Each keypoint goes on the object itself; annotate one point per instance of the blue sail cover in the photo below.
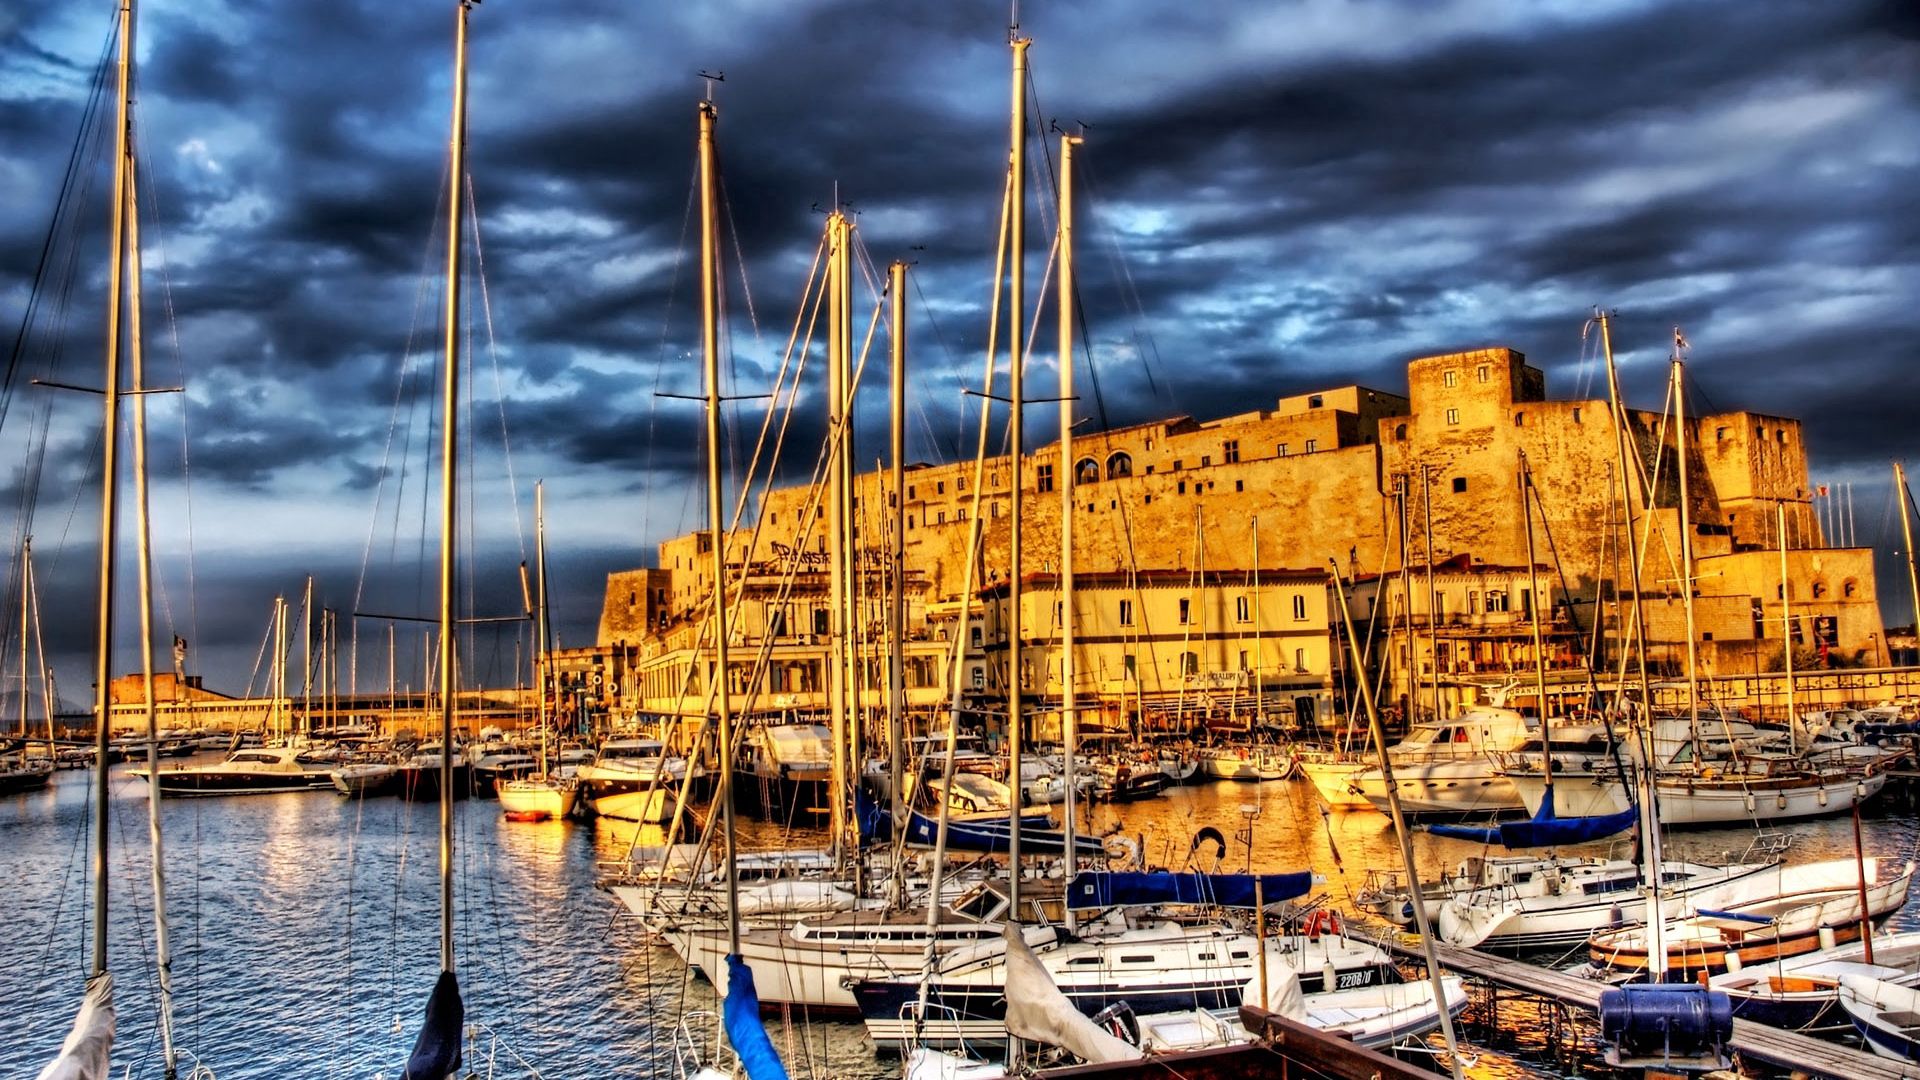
(1098, 889)
(984, 836)
(436, 1052)
(741, 1015)
(1543, 829)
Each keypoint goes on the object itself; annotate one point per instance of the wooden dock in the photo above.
(1754, 1042)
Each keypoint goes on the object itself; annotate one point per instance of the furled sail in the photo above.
(84, 1055)
(1543, 829)
(436, 1052)
(986, 836)
(1099, 888)
(1037, 1010)
(748, 1036)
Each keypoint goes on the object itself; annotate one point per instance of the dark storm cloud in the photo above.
(1273, 198)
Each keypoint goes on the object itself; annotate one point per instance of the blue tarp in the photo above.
(1543, 829)
(1098, 889)
(436, 1052)
(741, 1015)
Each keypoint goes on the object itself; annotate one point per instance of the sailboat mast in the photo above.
(109, 488)
(1016, 360)
(710, 352)
(840, 626)
(143, 536)
(540, 627)
(1901, 496)
(897, 617)
(1649, 820)
(449, 448)
(26, 584)
(1686, 544)
(1539, 644)
(1259, 695)
(1433, 593)
(1786, 614)
(306, 659)
(1069, 671)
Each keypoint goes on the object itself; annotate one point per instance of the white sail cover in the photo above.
(84, 1055)
(1283, 989)
(1037, 1010)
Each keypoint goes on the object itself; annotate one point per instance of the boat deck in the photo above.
(1781, 1049)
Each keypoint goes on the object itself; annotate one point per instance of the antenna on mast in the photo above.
(712, 77)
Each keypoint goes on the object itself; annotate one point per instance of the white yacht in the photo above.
(633, 779)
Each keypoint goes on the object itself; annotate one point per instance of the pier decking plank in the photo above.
(1782, 1049)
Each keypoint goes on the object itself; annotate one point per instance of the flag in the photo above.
(1822, 490)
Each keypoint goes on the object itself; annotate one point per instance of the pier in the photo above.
(1788, 1050)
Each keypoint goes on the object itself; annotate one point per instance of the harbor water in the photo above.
(304, 927)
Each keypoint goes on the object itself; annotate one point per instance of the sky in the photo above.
(1273, 197)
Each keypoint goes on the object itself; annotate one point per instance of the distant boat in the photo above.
(1802, 993)
(265, 771)
(366, 778)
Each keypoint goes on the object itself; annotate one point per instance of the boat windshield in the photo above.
(638, 751)
(799, 742)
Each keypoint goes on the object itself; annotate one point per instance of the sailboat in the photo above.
(546, 795)
(18, 771)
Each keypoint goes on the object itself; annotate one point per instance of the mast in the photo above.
(1904, 498)
(1403, 500)
(1069, 672)
(1436, 979)
(278, 675)
(840, 627)
(1433, 593)
(26, 585)
(1786, 616)
(1649, 824)
(540, 626)
(1539, 646)
(143, 536)
(306, 660)
(1259, 693)
(897, 616)
(109, 488)
(449, 449)
(1016, 360)
(710, 352)
(1686, 543)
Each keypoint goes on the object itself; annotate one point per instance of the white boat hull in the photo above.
(1718, 802)
(1333, 781)
(538, 799)
(1451, 787)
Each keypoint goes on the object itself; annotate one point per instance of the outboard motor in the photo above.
(1666, 1025)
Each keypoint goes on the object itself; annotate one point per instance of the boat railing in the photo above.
(488, 1059)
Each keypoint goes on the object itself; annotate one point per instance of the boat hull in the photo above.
(536, 800)
(192, 782)
(1701, 802)
(423, 784)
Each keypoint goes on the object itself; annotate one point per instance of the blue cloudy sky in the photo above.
(1276, 196)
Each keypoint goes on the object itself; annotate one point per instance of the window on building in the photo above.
(820, 621)
(1780, 435)
(911, 523)
(1043, 478)
(1312, 445)
(1183, 487)
(819, 512)
(940, 487)
(1086, 471)
(1576, 414)
(1239, 485)
(1186, 610)
(1299, 608)
(1243, 661)
(976, 637)
(1819, 590)
(1719, 434)
(1230, 451)
(1400, 433)
(979, 677)
(1459, 485)
(910, 492)
(1439, 605)
(1281, 449)
(1189, 663)
(1496, 601)
(995, 509)
(1526, 602)
(1130, 664)
(1119, 464)
(961, 484)
(1176, 464)
(960, 514)
(1126, 613)
(941, 519)
(1473, 601)
(1453, 416)
(1849, 589)
(1519, 419)
(1314, 401)
(1206, 460)
(1451, 378)
(1147, 499)
(1483, 373)
(1242, 609)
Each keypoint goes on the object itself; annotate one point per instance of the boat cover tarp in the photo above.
(436, 1052)
(1099, 888)
(1037, 1010)
(84, 1055)
(1284, 995)
(1543, 829)
(748, 1036)
(876, 822)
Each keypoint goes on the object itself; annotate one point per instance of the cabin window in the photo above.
(1230, 451)
(1453, 416)
(1043, 478)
